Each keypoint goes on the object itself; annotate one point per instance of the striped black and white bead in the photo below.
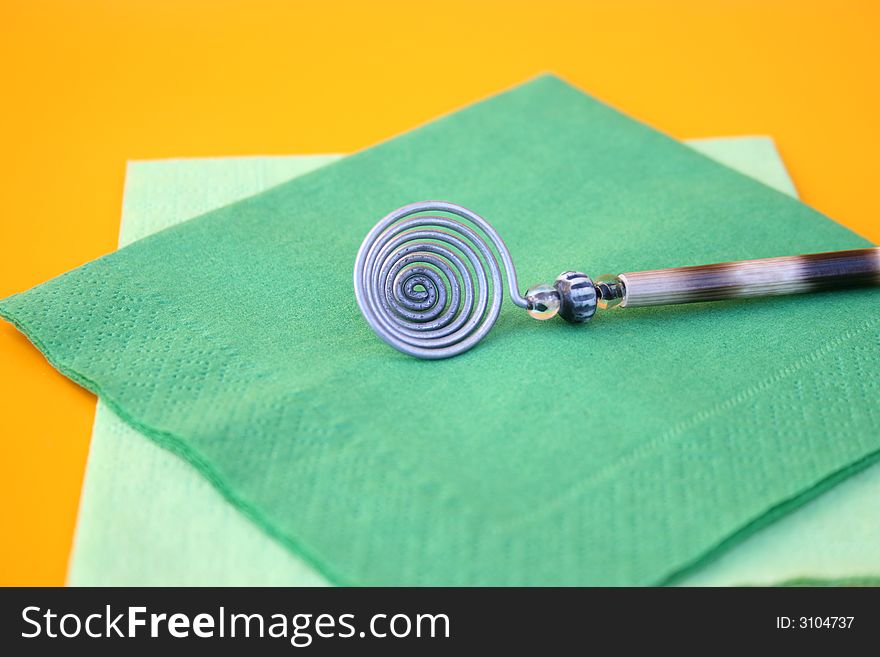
(577, 296)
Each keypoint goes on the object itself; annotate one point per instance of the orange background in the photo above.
(87, 85)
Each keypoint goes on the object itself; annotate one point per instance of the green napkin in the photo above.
(620, 453)
(129, 532)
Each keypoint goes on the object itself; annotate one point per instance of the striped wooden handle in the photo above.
(752, 278)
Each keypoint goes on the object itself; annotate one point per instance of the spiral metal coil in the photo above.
(422, 281)
(430, 285)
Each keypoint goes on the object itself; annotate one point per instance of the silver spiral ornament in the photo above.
(428, 284)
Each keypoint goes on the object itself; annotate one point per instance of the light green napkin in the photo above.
(662, 436)
(130, 532)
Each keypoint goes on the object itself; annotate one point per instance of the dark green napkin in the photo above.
(622, 452)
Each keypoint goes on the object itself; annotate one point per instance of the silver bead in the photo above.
(542, 301)
(611, 291)
(577, 296)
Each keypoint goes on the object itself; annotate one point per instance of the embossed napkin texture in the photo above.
(132, 532)
(624, 452)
